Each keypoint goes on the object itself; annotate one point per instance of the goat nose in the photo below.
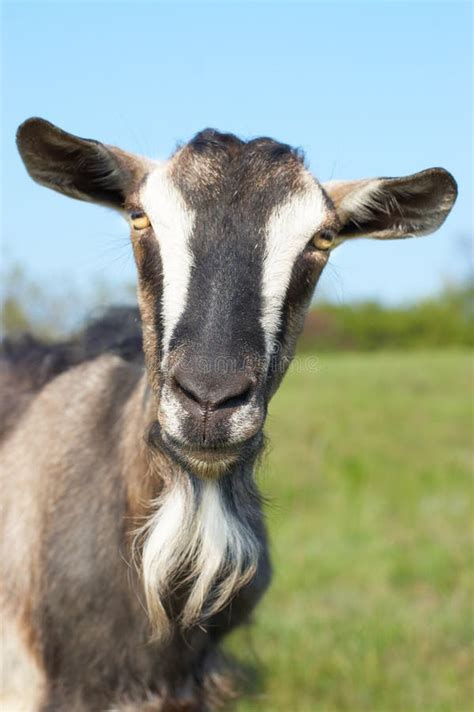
(212, 392)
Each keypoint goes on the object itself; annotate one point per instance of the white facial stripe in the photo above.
(289, 228)
(173, 223)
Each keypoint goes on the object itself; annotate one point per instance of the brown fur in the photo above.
(72, 508)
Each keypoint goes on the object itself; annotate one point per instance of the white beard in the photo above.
(194, 537)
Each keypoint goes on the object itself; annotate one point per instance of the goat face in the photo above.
(230, 239)
(235, 225)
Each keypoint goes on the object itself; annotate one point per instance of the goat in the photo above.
(134, 538)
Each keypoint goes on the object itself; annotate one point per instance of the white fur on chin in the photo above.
(192, 536)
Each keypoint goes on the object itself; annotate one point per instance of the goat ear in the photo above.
(393, 208)
(78, 167)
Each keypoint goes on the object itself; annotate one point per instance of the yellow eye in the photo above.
(139, 220)
(323, 240)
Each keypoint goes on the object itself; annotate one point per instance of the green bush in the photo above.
(442, 321)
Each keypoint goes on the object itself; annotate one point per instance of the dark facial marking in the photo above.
(233, 187)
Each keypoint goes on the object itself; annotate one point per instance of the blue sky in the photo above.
(366, 89)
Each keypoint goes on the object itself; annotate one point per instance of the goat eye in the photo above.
(139, 220)
(322, 240)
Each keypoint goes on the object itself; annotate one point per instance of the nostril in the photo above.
(234, 401)
(186, 391)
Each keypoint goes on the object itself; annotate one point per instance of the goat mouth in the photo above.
(210, 463)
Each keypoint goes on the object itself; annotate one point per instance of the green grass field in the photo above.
(368, 474)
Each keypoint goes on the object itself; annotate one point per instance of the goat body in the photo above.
(79, 480)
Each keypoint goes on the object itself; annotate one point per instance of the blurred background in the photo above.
(368, 471)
